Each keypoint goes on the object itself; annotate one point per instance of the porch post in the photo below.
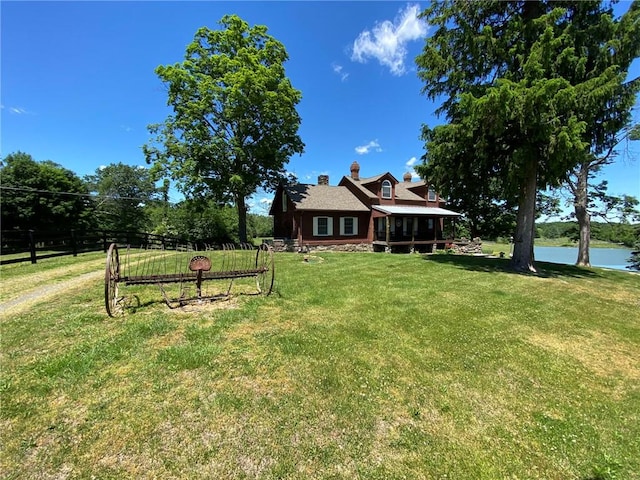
(414, 224)
(434, 247)
(388, 232)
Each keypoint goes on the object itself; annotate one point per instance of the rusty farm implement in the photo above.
(187, 268)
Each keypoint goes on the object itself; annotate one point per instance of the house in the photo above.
(376, 213)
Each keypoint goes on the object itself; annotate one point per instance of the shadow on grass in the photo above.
(488, 264)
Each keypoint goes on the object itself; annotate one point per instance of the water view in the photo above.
(617, 258)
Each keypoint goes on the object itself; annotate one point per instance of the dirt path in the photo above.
(43, 292)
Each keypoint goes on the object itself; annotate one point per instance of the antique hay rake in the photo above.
(186, 267)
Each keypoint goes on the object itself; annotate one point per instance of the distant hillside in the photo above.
(620, 233)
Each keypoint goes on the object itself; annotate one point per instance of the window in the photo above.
(322, 226)
(386, 189)
(284, 201)
(348, 226)
(432, 196)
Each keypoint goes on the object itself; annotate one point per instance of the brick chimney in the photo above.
(323, 179)
(355, 171)
(407, 177)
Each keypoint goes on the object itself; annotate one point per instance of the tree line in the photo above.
(619, 233)
(46, 197)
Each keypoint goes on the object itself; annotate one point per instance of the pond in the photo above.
(617, 258)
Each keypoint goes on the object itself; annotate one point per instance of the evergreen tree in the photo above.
(522, 83)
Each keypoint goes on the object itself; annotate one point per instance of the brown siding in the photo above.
(282, 221)
(307, 228)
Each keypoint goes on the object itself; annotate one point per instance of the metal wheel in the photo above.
(111, 277)
(264, 263)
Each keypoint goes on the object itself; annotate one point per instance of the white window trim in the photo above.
(355, 226)
(329, 227)
(386, 183)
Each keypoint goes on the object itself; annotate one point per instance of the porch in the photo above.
(413, 228)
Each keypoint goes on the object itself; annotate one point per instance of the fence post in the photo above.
(74, 246)
(32, 246)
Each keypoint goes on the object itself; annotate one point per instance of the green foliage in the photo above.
(205, 221)
(523, 84)
(635, 255)
(42, 196)
(201, 221)
(619, 233)
(234, 123)
(123, 192)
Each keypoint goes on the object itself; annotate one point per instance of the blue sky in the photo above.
(78, 85)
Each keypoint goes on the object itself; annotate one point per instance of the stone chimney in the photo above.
(323, 179)
(407, 177)
(355, 171)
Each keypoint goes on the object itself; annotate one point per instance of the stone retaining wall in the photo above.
(466, 247)
(280, 245)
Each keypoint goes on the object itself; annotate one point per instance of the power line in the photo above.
(88, 195)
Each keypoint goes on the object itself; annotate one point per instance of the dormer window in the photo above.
(386, 189)
(432, 196)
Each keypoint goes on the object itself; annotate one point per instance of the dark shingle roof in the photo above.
(360, 187)
(324, 197)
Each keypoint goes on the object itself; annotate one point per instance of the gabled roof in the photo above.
(324, 197)
(359, 186)
(375, 178)
(404, 192)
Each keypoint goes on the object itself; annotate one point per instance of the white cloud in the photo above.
(19, 111)
(339, 70)
(387, 40)
(410, 164)
(364, 149)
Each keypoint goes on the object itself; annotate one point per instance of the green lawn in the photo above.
(372, 366)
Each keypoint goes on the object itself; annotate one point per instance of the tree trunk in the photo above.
(522, 259)
(582, 215)
(242, 218)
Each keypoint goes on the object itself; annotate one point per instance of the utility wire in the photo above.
(89, 195)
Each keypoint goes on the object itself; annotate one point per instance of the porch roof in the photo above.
(415, 211)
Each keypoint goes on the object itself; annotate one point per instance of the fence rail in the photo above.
(32, 245)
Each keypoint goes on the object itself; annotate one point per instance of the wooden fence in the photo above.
(30, 245)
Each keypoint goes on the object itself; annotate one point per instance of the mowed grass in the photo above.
(357, 366)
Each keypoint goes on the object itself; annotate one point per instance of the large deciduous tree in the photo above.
(42, 196)
(521, 83)
(234, 123)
